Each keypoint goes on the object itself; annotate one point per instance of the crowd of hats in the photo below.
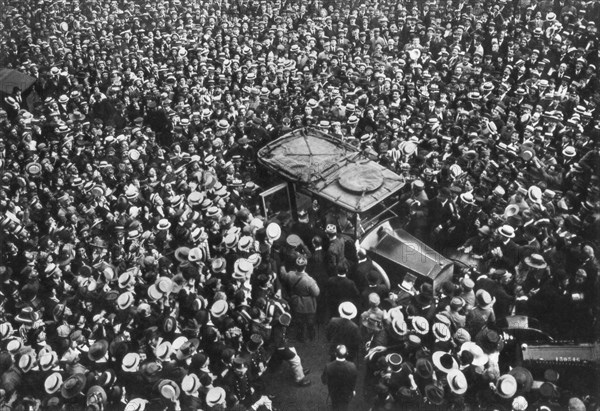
(414, 362)
(127, 175)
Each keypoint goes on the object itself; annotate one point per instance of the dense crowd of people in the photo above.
(137, 270)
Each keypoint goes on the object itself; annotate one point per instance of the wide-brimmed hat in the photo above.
(457, 382)
(73, 386)
(523, 377)
(444, 361)
(480, 359)
(506, 386)
(536, 261)
(169, 390)
(347, 310)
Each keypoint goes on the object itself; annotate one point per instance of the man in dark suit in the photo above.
(340, 377)
(343, 330)
(339, 289)
(317, 267)
(362, 268)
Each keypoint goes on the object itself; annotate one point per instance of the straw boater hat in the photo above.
(347, 310)
(457, 382)
(506, 386)
(536, 261)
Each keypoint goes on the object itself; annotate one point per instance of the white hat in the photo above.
(53, 383)
(190, 384)
(273, 231)
(215, 396)
(347, 310)
(131, 362)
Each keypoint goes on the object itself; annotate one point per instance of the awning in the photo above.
(9, 79)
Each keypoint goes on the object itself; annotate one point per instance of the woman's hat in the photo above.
(506, 386)
(444, 361)
(73, 386)
(480, 359)
(457, 382)
(347, 310)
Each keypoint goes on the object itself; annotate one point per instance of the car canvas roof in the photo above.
(319, 162)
